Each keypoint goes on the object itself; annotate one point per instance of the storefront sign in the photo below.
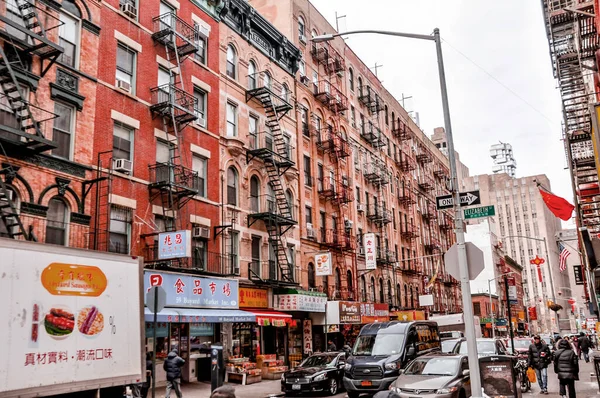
(253, 298)
(512, 291)
(174, 244)
(370, 245)
(202, 329)
(578, 274)
(331, 328)
(194, 291)
(323, 261)
(307, 336)
(301, 301)
(374, 312)
(349, 312)
(501, 322)
(162, 329)
(532, 313)
(406, 316)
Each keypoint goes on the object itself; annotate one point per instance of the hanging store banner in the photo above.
(410, 315)
(512, 291)
(194, 291)
(578, 274)
(302, 301)
(254, 298)
(370, 245)
(323, 261)
(307, 336)
(349, 312)
(374, 312)
(175, 244)
(532, 313)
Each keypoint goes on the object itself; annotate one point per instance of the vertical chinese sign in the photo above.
(370, 245)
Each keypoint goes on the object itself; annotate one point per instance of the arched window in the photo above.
(285, 92)
(251, 75)
(417, 305)
(69, 33)
(351, 79)
(412, 298)
(338, 280)
(254, 194)
(314, 33)
(301, 30)
(363, 289)
(359, 81)
(373, 292)
(393, 120)
(387, 119)
(15, 200)
(289, 197)
(390, 296)
(381, 299)
(311, 276)
(232, 186)
(57, 222)
(231, 62)
(398, 296)
(267, 80)
(350, 285)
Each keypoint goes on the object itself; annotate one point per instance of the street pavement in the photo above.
(586, 386)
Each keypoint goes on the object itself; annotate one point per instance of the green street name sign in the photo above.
(478, 212)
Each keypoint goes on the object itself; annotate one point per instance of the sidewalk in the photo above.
(257, 390)
(586, 386)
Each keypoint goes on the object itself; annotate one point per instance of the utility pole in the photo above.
(510, 329)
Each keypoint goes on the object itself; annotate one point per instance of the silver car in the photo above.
(435, 375)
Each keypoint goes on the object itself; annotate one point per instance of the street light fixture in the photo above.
(463, 268)
(491, 306)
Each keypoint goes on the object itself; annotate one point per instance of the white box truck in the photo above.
(453, 325)
(70, 320)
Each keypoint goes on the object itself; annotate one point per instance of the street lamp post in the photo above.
(463, 267)
(549, 268)
(491, 306)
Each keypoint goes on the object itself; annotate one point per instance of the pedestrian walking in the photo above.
(584, 346)
(539, 359)
(172, 366)
(566, 366)
(223, 392)
(575, 344)
(331, 346)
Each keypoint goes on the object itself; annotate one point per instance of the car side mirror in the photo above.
(466, 372)
(411, 352)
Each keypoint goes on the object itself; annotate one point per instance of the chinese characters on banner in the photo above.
(253, 298)
(175, 244)
(53, 357)
(307, 333)
(349, 312)
(194, 291)
(374, 312)
(370, 245)
(323, 261)
(301, 301)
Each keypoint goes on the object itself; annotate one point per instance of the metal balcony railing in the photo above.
(429, 212)
(330, 96)
(379, 214)
(52, 232)
(14, 130)
(386, 256)
(327, 187)
(376, 173)
(330, 141)
(373, 135)
(264, 145)
(329, 57)
(426, 182)
(270, 92)
(267, 206)
(406, 196)
(369, 98)
(433, 245)
(266, 271)
(173, 31)
(400, 130)
(409, 232)
(202, 261)
(423, 155)
(168, 99)
(175, 177)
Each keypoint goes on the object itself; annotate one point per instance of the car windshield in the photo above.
(547, 340)
(432, 366)
(448, 345)
(521, 343)
(483, 347)
(380, 344)
(318, 361)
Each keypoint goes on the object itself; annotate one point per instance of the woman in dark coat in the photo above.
(566, 366)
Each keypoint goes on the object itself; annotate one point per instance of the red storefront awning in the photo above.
(272, 318)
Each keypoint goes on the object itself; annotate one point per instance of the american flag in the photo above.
(564, 254)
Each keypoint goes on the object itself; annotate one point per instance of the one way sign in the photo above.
(466, 199)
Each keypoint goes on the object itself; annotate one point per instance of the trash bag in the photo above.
(531, 375)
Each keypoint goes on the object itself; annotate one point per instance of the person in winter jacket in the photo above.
(584, 346)
(539, 359)
(172, 366)
(566, 366)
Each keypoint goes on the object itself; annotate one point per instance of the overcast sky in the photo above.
(506, 38)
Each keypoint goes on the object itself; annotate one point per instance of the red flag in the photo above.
(557, 205)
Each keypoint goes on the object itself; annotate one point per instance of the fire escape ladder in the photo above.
(29, 132)
(9, 214)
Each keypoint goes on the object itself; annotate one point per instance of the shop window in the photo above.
(57, 220)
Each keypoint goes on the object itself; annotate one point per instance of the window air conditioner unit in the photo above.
(201, 122)
(345, 181)
(203, 31)
(304, 80)
(349, 224)
(310, 231)
(361, 251)
(123, 85)
(360, 208)
(302, 38)
(123, 165)
(129, 10)
(201, 232)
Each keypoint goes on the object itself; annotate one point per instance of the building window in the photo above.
(126, 66)
(373, 293)
(57, 222)
(352, 116)
(200, 110)
(304, 119)
(200, 40)
(122, 141)
(308, 214)
(302, 68)
(301, 30)
(253, 131)
(289, 197)
(233, 250)
(385, 113)
(231, 120)
(68, 36)
(358, 194)
(477, 309)
(254, 194)
(311, 276)
(362, 124)
(200, 165)
(120, 229)
(62, 133)
(200, 255)
(351, 79)
(307, 172)
(251, 75)
(232, 186)
(231, 62)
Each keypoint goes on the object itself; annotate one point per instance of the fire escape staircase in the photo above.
(277, 161)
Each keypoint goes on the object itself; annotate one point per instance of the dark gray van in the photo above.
(382, 349)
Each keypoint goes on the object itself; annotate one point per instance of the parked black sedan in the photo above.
(317, 373)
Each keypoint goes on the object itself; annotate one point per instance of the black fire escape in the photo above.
(273, 149)
(24, 126)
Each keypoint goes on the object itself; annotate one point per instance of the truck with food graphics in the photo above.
(71, 320)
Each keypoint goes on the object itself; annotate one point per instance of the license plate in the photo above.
(296, 386)
(366, 383)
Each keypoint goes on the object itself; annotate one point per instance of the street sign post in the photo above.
(469, 198)
(478, 212)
